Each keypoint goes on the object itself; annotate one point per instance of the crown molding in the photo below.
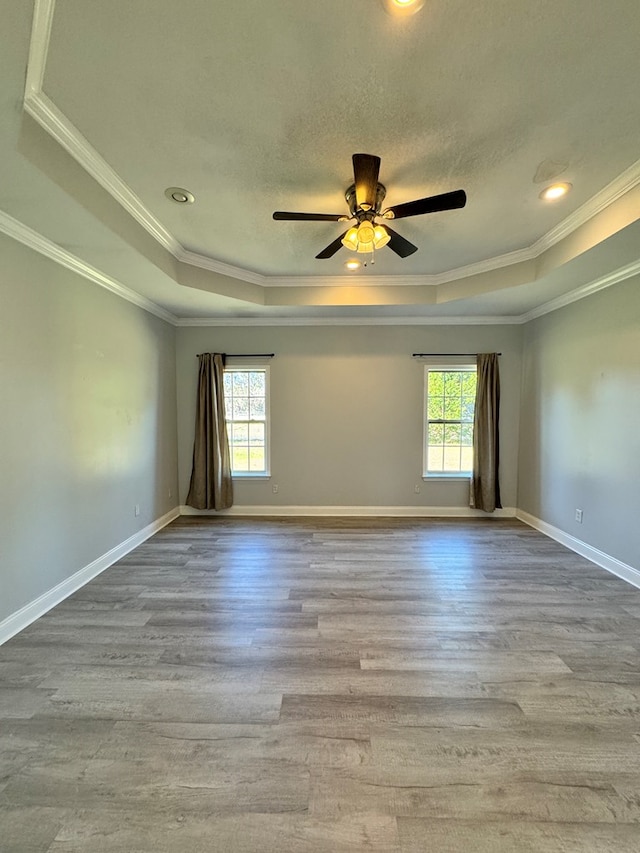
(608, 280)
(45, 112)
(602, 283)
(28, 237)
(477, 268)
(624, 183)
(203, 262)
(39, 45)
(348, 321)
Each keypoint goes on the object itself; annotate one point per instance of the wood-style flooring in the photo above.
(337, 685)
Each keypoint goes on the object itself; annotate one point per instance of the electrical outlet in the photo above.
(275, 488)
(416, 489)
(136, 509)
(579, 516)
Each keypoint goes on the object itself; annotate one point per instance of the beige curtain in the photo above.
(485, 486)
(211, 485)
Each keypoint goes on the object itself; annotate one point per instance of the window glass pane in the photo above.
(467, 409)
(240, 382)
(256, 459)
(257, 383)
(435, 383)
(452, 408)
(241, 408)
(228, 384)
(256, 434)
(452, 459)
(452, 434)
(240, 458)
(435, 459)
(240, 433)
(469, 384)
(257, 410)
(436, 408)
(466, 434)
(452, 383)
(436, 433)
(466, 460)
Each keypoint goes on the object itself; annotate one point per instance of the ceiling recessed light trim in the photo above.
(555, 191)
(400, 8)
(179, 195)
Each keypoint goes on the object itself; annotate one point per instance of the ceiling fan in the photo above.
(365, 197)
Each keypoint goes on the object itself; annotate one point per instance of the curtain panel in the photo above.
(211, 485)
(485, 484)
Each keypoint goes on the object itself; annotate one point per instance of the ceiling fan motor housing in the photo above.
(359, 213)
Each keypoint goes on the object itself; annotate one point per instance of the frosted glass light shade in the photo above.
(381, 236)
(366, 232)
(350, 239)
(366, 237)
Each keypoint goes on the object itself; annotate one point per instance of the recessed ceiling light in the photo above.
(352, 265)
(402, 7)
(555, 191)
(179, 195)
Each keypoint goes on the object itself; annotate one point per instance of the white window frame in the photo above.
(440, 366)
(242, 366)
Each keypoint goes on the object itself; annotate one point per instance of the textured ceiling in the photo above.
(258, 106)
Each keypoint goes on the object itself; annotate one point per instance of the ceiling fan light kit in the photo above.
(364, 198)
(365, 238)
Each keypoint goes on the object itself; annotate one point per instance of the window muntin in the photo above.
(246, 398)
(450, 393)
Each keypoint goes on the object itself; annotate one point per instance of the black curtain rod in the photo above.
(445, 354)
(245, 354)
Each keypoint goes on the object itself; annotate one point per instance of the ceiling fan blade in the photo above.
(366, 168)
(399, 245)
(309, 217)
(332, 248)
(433, 204)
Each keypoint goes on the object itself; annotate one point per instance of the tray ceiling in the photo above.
(259, 106)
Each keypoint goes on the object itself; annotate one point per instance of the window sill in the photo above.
(428, 478)
(250, 476)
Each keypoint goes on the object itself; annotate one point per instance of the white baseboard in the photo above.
(347, 511)
(605, 561)
(32, 611)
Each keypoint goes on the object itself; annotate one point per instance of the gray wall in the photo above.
(346, 410)
(580, 422)
(88, 423)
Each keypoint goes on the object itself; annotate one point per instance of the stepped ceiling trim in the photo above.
(51, 118)
(28, 237)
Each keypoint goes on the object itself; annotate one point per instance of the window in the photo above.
(450, 393)
(246, 399)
